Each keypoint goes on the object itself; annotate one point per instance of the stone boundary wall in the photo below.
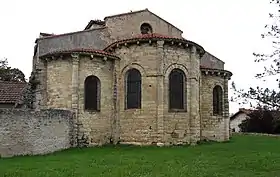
(256, 134)
(29, 132)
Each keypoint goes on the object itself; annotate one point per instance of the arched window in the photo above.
(217, 100)
(176, 89)
(133, 89)
(146, 28)
(92, 93)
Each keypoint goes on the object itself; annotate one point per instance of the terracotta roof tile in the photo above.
(10, 91)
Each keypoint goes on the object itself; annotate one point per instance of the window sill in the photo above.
(217, 114)
(92, 111)
(132, 109)
(177, 110)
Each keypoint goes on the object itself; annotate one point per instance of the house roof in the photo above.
(10, 91)
(97, 22)
(241, 110)
(139, 11)
(49, 36)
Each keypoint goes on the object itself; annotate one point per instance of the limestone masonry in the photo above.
(133, 79)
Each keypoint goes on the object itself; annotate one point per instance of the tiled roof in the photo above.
(97, 22)
(143, 37)
(80, 51)
(10, 91)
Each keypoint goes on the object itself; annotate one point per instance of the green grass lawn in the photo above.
(243, 156)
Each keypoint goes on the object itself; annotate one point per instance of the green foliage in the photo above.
(262, 121)
(10, 74)
(265, 97)
(248, 156)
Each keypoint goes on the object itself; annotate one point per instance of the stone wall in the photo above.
(34, 132)
(181, 126)
(96, 126)
(126, 26)
(139, 125)
(213, 127)
(210, 61)
(92, 38)
(59, 82)
(154, 122)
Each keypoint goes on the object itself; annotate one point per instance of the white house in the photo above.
(237, 118)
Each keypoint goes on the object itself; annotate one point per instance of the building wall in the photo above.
(97, 127)
(92, 38)
(180, 127)
(59, 82)
(234, 124)
(153, 122)
(138, 125)
(126, 26)
(210, 61)
(65, 90)
(34, 132)
(213, 127)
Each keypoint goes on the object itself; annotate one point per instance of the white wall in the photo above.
(237, 121)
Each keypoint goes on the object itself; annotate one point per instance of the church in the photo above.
(132, 78)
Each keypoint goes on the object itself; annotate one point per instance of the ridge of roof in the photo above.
(70, 33)
(91, 22)
(139, 11)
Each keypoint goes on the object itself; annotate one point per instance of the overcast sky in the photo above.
(229, 29)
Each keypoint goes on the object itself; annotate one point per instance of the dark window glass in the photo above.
(176, 89)
(217, 100)
(92, 93)
(133, 89)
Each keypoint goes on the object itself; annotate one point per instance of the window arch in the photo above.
(133, 89)
(217, 100)
(176, 89)
(92, 93)
(146, 28)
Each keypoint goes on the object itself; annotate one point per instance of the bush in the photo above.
(262, 121)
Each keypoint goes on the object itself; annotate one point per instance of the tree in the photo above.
(265, 97)
(10, 74)
(262, 121)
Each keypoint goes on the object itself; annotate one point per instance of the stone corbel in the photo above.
(160, 43)
(75, 57)
(193, 50)
(60, 57)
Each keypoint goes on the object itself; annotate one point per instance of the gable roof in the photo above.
(140, 11)
(241, 110)
(10, 91)
(92, 22)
